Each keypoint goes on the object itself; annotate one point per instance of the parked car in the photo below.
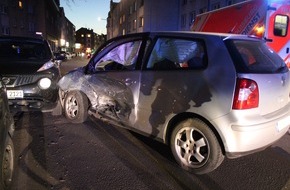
(206, 95)
(68, 55)
(59, 56)
(7, 154)
(30, 73)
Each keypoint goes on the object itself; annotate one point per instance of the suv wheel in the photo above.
(195, 146)
(7, 166)
(76, 107)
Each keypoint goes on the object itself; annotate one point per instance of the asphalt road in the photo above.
(54, 154)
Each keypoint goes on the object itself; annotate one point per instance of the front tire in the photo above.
(7, 164)
(195, 146)
(76, 107)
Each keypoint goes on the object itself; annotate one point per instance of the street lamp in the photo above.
(99, 19)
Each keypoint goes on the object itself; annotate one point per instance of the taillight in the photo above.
(246, 94)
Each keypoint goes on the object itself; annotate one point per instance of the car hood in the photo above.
(20, 67)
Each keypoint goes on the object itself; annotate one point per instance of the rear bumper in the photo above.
(241, 139)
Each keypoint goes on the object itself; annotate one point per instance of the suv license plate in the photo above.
(12, 94)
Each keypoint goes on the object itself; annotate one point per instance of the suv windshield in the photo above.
(254, 57)
(24, 50)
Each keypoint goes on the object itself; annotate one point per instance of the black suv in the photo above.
(30, 73)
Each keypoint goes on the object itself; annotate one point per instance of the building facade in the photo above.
(28, 17)
(67, 39)
(88, 41)
(131, 16)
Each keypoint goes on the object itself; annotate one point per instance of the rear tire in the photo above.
(195, 146)
(76, 107)
(7, 164)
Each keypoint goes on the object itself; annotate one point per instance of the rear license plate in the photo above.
(282, 124)
(12, 94)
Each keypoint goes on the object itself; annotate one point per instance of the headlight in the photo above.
(46, 66)
(44, 83)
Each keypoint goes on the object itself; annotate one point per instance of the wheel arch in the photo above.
(187, 115)
(63, 94)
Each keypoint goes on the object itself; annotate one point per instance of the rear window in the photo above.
(24, 50)
(255, 57)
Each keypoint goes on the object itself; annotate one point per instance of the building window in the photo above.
(192, 16)
(202, 10)
(183, 20)
(141, 21)
(89, 35)
(30, 9)
(31, 27)
(135, 6)
(229, 2)
(3, 9)
(82, 35)
(129, 27)
(134, 24)
(216, 6)
(5, 30)
(20, 5)
(141, 3)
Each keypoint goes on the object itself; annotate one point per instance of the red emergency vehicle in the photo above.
(264, 18)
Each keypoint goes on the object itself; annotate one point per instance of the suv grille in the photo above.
(15, 81)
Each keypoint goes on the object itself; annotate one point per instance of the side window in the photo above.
(171, 54)
(122, 57)
(281, 25)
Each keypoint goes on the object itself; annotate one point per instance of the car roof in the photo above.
(187, 34)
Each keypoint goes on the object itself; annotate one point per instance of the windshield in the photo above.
(255, 57)
(24, 50)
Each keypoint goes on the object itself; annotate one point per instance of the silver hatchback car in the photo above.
(206, 95)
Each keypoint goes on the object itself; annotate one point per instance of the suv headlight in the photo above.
(44, 83)
(46, 66)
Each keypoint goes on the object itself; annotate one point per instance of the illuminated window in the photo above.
(281, 25)
(20, 5)
(89, 35)
(82, 35)
(141, 21)
(134, 24)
